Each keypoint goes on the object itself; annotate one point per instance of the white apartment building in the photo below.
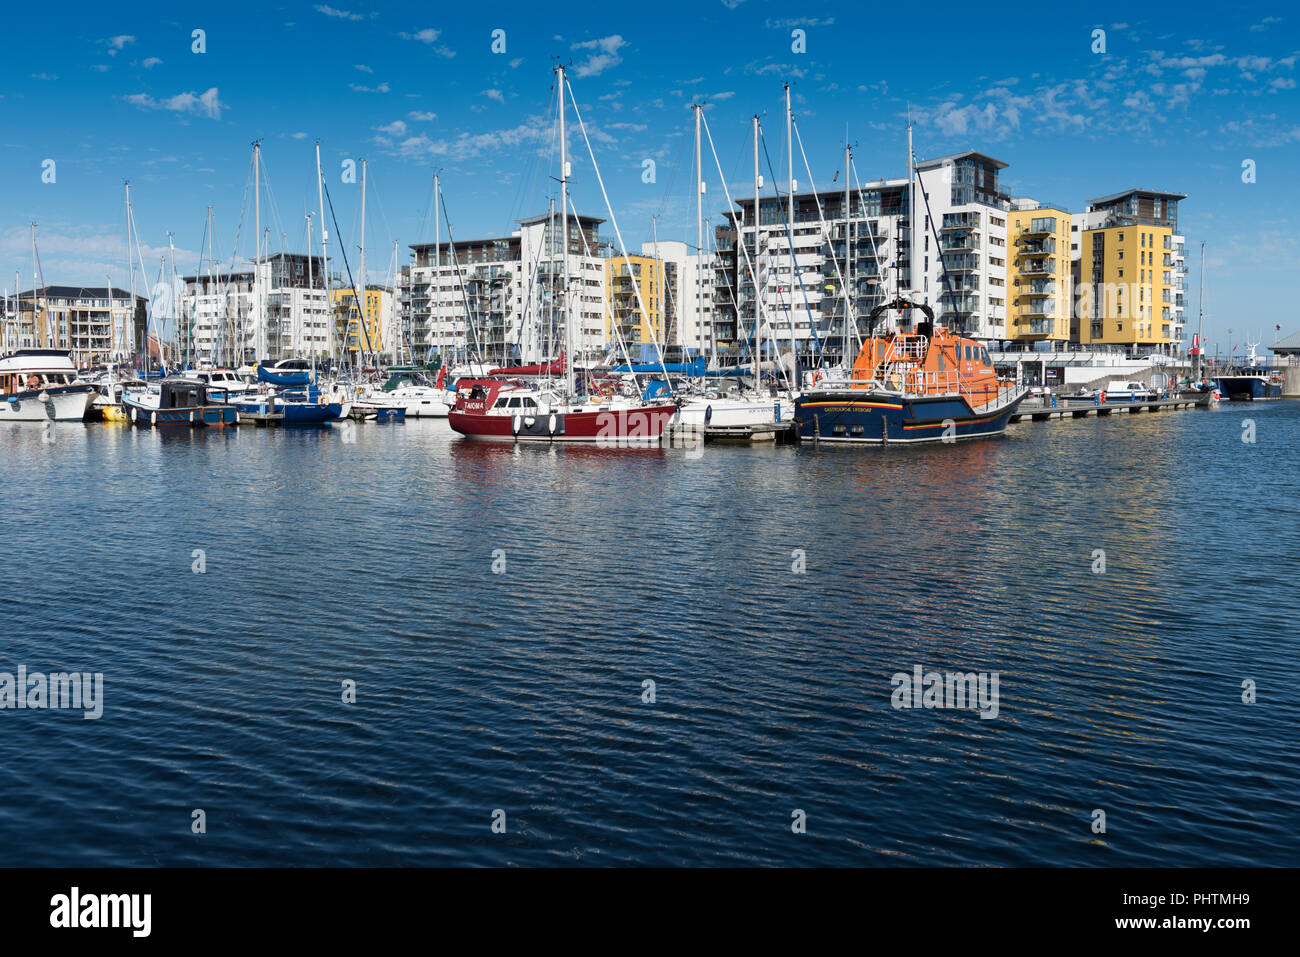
(963, 232)
(94, 323)
(501, 299)
(269, 312)
(690, 286)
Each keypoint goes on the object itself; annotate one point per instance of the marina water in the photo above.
(501, 610)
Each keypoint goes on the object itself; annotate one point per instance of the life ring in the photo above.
(819, 377)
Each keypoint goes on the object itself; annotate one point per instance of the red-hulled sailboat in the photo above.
(500, 407)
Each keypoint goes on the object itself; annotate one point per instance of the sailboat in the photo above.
(502, 408)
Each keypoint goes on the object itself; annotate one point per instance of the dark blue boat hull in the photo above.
(878, 418)
(1247, 388)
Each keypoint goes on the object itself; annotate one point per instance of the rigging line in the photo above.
(270, 196)
(794, 264)
(347, 331)
(609, 314)
(464, 295)
(614, 222)
(761, 310)
(938, 251)
(826, 236)
(871, 232)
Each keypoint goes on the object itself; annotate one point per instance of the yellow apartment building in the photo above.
(623, 277)
(1039, 284)
(349, 330)
(1125, 289)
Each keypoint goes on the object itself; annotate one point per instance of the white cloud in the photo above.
(495, 95)
(151, 62)
(363, 68)
(44, 76)
(535, 130)
(340, 14)
(422, 116)
(115, 44)
(395, 128)
(606, 57)
(381, 88)
(202, 104)
(299, 136)
(427, 35)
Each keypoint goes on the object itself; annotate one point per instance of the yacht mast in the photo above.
(306, 302)
(324, 255)
(753, 269)
(361, 279)
(259, 321)
(564, 242)
(437, 262)
(849, 253)
(911, 218)
(1200, 317)
(699, 238)
(794, 266)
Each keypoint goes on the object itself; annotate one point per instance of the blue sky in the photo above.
(1180, 98)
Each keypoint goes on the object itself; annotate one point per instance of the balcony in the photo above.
(960, 221)
(1038, 267)
(962, 262)
(1037, 248)
(962, 243)
(1035, 327)
(1039, 307)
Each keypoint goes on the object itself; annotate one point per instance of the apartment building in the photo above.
(94, 323)
(1040, 298)
(503, 298)
(1134, 208)
(1125, 290)
(263, 311)
(858, 261)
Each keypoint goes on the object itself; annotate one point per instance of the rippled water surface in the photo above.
(366, 554)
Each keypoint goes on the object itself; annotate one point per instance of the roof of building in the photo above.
(532, 220)
(964, 154)
(1110, 198)
(78, 292)
(1289, 344)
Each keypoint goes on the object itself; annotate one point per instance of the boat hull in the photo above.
(294, 413)
(734, 413)
(1249, 389)
(209, 415)
(878, 418)
(67, 403)
(613, 426)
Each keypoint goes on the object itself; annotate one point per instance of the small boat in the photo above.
(40, 385)
(291, 373)
(178, 401)
(415, 393)
(301, 407)
(507, 409)
(1250, 385)
(928, 386)
(718, 408)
